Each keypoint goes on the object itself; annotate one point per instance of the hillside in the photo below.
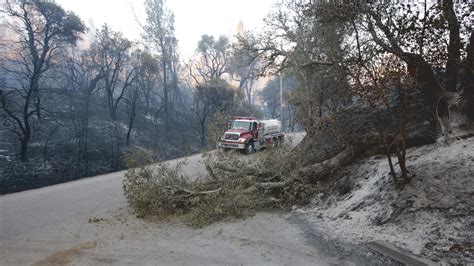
(431, 217)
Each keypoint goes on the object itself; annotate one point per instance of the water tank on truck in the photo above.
(271, 126)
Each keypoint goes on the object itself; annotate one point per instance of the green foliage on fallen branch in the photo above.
(236, 186)
(228, 203)
(156, 190)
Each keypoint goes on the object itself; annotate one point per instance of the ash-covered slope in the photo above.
(431, 216)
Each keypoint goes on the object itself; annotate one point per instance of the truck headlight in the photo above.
(242, 140)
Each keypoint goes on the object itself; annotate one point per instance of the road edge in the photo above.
(399, 255)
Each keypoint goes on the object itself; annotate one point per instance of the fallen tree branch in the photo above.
(203, 192)
(271, 185)
(211, 172)
(327, 167)
(177, 188)
(227, 168)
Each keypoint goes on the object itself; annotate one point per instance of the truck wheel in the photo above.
(276, 142)
(249, 148)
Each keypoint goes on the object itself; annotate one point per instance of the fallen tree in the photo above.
(233, 188)
(328, 167)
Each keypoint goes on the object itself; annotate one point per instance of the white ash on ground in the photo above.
(430, 217)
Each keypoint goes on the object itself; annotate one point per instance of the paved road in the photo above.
(88, 222)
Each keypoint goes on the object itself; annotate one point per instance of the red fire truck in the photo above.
(249, 134)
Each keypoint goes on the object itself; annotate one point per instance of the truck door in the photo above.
(254, 130)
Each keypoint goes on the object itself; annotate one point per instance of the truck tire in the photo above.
(249, 148)
(274, 142)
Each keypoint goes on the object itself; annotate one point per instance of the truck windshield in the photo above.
(241, 125)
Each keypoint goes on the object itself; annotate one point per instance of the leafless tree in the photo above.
(211, 61)
(213, 97)
(149, 80)
(81, 79)
(40, 29)
(244, 69)
(111, 55)
(159, 29)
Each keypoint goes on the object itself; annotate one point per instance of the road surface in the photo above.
(88, 222)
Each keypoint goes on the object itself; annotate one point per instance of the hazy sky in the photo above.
(192, 17)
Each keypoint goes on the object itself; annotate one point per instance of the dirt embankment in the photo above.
(431, 217)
